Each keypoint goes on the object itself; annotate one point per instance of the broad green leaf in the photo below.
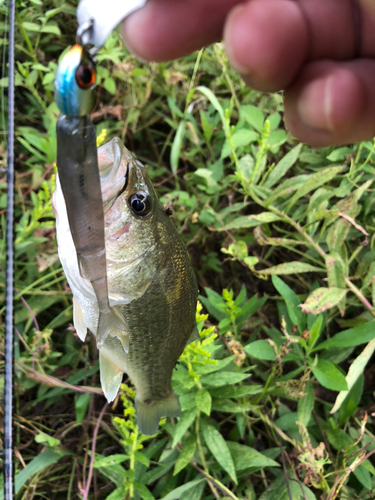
(283, 166)
(253, 115)
(118, 494)
(219, 449)
(245, 457)
(223, 378)
(363, 476)
(44, 438)
(356, 369)
(339, 154)
(229, 406)
(101, 461)
(292, 303)
(178, 493)
(329, 376)
(184, 423)
(31, 26)
(236, 391)
(51, 28)
(239, 139)
(278, 491)
(110, 85)
(81, 404)
(144, 491)
(203, 401)
(350, 338)
(315, 330)
(322, 299)
(186, 454)
(321, 177)
(40, 462)
(350, 404)
(293, 267)
(260, 349)
(250, 221)
(306, 405)
(141, 458)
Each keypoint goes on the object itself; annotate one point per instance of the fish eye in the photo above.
(85, 76)
(139, 203)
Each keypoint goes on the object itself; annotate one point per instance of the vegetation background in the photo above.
(278, 396)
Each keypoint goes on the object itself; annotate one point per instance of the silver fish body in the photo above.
(151, 282)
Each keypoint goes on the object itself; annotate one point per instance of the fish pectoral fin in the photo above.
(112, 323)
(150, 412)
(78, 319)
(194, 335)
(110, 376)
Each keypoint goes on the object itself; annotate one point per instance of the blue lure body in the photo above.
(74, 83)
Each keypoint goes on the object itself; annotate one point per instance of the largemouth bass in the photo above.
(151, 282)
(77, 164)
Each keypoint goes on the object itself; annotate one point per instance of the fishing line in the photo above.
(3, 63)
(8, 382)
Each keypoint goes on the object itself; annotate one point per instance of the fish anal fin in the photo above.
(110, 376)
(149, 412)
(111, 323)
(78, 319)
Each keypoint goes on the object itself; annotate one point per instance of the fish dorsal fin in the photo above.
(110, 376)
(78, 319)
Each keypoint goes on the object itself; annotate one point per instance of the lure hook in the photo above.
(86, 29)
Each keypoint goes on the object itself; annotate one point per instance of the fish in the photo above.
(150, 280)
(77, 164)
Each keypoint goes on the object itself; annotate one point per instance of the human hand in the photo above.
(321, 52)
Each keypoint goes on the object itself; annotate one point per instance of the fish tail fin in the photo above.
(111, 322)
(149, 412)
(110, 376)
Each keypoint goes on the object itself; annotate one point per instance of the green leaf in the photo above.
(110, 85)
(278, 491)
(245, 457)
(51, 28)
(293, 267)
(336, 272)
(141, 458)
(321, 177)
(229, 406)
(216, 104)
(219, 449)
(177, 145)
(292, 302)
(118, 494)
(117, 458)
(177, 493)
(203, 401)
(223, 378)
(363, 476)
(322, 299)
(40, 462)
(350, 338)
(184, 423)
(186, 454)
(44, 438)
(260, 349)
(283, 166)
(239, 139)
(250, 221)
(253, 115)
(144, 491)
(315, 330)
(31, 26)
(329, 376)
(306, 405)
(81, 404)
(356, 369)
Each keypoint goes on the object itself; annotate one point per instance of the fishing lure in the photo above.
(77, 164)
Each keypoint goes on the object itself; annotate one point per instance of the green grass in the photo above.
(275, 395)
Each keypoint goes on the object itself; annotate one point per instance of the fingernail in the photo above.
(314, 105)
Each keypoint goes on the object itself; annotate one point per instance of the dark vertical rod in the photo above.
(8, 400)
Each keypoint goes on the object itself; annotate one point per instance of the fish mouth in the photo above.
(114, 162)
